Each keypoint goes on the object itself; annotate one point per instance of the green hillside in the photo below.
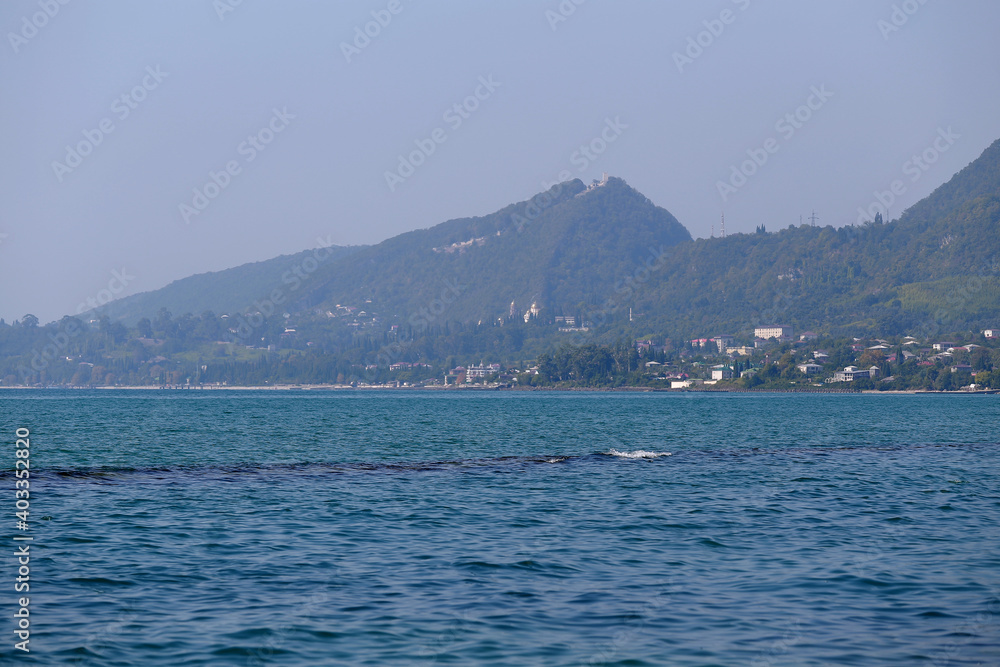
(589, 266)
(561, 249)
(594, 253)
(936, 267)
(587, 254)
(227, 291)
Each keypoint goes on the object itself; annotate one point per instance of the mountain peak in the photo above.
(562, 247)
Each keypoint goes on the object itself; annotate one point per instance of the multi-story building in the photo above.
(852, 373)
(779, 331)
(480, 371)
(722, 342)
(724, 373)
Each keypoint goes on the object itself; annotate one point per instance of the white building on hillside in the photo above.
(852, 373)
(480, 371)
(722, 342)
(779, 331)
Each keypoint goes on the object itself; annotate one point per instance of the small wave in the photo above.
(637, 454)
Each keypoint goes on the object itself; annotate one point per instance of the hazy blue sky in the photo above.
(627, 78)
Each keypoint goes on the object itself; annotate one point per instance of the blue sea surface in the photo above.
(516, 528)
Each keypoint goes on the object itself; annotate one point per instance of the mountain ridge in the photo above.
(551, 239)
(587, 268)
(222, 291)
(573, 249)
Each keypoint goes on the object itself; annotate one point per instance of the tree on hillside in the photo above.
(144, 327)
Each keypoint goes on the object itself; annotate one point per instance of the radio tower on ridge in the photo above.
(723, 225)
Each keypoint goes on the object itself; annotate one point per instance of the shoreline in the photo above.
(476, 388)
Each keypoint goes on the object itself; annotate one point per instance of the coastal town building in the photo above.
(722, 342)
(852, 373)
(724, 373)
(810, 369)
(480, 371)
(406, 365)
(991, 333)
(779, 331)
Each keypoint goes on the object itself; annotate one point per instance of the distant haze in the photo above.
(146, 141)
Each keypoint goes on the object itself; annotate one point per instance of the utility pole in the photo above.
(814, 218)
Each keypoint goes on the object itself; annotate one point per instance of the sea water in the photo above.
(515, 528)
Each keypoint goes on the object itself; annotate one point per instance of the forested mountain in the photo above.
(587, 265)
(588, 254)
(978, 180)
(227, 291)
(594, 252)
(937, 267)
(562, 249)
